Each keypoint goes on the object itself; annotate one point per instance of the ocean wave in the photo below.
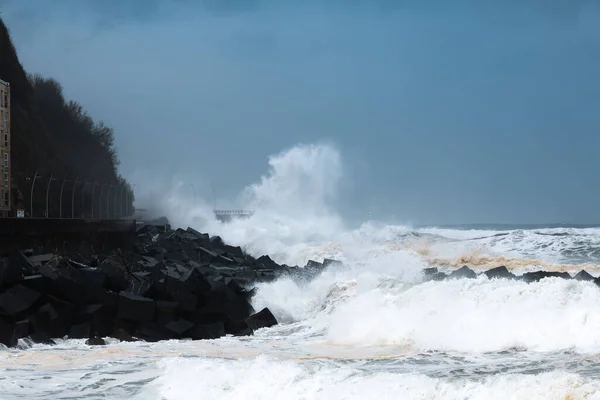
(267, 378)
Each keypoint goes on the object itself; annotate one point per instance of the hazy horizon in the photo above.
(441, 113)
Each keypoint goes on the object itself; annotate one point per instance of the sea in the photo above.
(372, 328)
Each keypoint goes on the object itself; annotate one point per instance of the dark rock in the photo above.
(80, 331)
(122, 335)
(330, 262)
(430, 271)
(499, 273)
(38, 283)
(234, 251)
(95, 341)
(539, 275)
(262, 319)
(583, 275)
(265, 262)
(22, 329)
(7, 334)
(17, 299)
(11, 269)
(41, 338)
(217, 242)
(180, 327)
(135, 308)
(206, 255)
(213, 330)
(166, 311)
(461, 273)
(47, 320)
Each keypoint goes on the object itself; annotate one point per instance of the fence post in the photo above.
(61, 195)
(47, 194)
(93, 192)
(73, 198)
(32, 186)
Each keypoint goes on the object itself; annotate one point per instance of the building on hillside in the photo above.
(5, 159)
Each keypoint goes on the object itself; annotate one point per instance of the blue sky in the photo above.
(443, 111)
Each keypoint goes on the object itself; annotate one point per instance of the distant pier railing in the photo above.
(228, 215)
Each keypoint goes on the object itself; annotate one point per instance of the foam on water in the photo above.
(370, 328)
(265, 378)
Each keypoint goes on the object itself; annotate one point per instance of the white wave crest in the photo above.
(266, 378)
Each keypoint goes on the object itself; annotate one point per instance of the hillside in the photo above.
(57, 138)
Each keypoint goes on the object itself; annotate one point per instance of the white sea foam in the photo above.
(371, 328)
(266, 378)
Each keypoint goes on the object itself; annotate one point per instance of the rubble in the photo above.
(174, 284)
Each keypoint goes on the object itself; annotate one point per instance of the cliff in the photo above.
(58, 139)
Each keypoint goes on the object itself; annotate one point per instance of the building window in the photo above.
(6, 178)
(6, 120)
(6, 159)
(5, 198)
(6, 99)
(6, 140)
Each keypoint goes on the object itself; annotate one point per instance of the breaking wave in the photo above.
(266, 378)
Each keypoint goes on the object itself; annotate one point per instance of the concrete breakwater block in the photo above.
(175, 284)
(501, 272)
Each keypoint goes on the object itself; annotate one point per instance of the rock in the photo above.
(11, 269)
(180, 327)
(262, 319)
(539, 275)
(461, 273)
(80, 331)
(135, 308)
(499, 273)
(22, 329)
(583, 275)
(95, 341)
(265, 262)
(17, 299)
(330, 262)
(41, 338)
(48, 320)
(173, 284)
(7, 334)
(213, 330)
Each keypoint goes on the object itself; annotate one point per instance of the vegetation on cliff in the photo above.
(56, 138)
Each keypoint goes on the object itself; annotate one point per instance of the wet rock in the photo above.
(462, 273)
(41, 338)
(262, 319)
(175, 284)
(499, 273)
(539, 275)
(11, 269)
(80, 331)
(583, 275)
(22, 329)
(95, 341)
(213, 330)
(180, 327)
(135, 308)
(17, 299)
(7, 334)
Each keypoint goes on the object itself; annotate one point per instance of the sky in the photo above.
(443, 112)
